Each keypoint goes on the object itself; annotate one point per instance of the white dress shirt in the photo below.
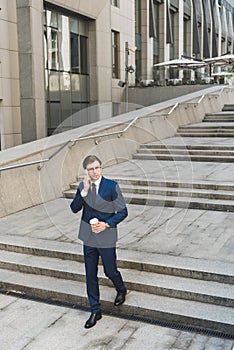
(97, 184)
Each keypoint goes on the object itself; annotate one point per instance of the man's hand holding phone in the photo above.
(86, 181)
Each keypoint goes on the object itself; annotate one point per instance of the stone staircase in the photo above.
(223, 125)
(179, 291)
(220, 117)
(200, 195)
(199, 153)
(205, 130)
(182, 291)
(205, 195)
(228, 107)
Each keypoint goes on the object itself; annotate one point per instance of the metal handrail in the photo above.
(72, 141)
(119, 133)
(198, 102)
(171, 110)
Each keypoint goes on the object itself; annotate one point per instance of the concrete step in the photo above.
(174, 150)
(219, 119)
(138, 304)
(205, 270)
(223, 129)
(222, 113)
(207, 185)
(204, 134)
(158, 284)
(228, 107)
(204, 195)
(207, 126)
(169, 201)
(184, 157)
(179, 192)
(187, 147)
(169, 192)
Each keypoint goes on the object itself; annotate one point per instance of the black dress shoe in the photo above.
(93, 319)
(120, 298)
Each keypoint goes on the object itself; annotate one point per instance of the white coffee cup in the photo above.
(93, 222)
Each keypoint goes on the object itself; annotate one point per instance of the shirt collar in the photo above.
(97, 182)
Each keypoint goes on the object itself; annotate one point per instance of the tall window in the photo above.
(186, 36)
(115, 54)
(138, 60)
(156, 41)
(66, 69)
(115, 3)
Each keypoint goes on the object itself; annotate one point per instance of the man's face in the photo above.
(94, 170)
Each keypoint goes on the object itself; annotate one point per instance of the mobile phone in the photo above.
(87, 174)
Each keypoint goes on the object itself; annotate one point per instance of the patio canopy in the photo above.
(221, 60)
(181, 63)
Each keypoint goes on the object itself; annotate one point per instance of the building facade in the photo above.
(64, 64)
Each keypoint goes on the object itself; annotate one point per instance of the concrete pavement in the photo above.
(203, 235)
(30, 325)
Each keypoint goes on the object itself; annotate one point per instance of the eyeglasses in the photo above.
(93, 169)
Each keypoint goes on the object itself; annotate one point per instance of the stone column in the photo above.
(31, 62)
(163, 46)
(10, 121)
(179, 34)
(146, 42)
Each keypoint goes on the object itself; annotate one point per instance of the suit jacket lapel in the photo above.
(101, 186)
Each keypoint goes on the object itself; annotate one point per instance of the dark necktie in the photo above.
(93, 193)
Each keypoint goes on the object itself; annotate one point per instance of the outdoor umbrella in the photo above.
(181, 63)
(221, 60)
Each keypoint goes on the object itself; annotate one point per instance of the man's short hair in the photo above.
(90, 159)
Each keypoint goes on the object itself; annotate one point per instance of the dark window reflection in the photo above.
(66, 70)
(74, 52)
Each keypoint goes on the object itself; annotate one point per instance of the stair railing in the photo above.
(72, 142)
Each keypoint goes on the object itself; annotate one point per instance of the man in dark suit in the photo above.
(99, 198)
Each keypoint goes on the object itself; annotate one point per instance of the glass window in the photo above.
(64, 44)
(138, 73)
(115, 3)
(52, 18)
(186, 37)
(74, 25)
(115, 54)
(138, 66)
(83, 27)
(52, 49)
(138, 17)
(75, 67)
(83, 55)
(66, 67)
(54, 86)
(156, 40)
(75, 84)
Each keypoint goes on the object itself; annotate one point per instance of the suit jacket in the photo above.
(109, 207)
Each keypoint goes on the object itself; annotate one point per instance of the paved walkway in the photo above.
(30, 325)
(168, 231)
(174, 231)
